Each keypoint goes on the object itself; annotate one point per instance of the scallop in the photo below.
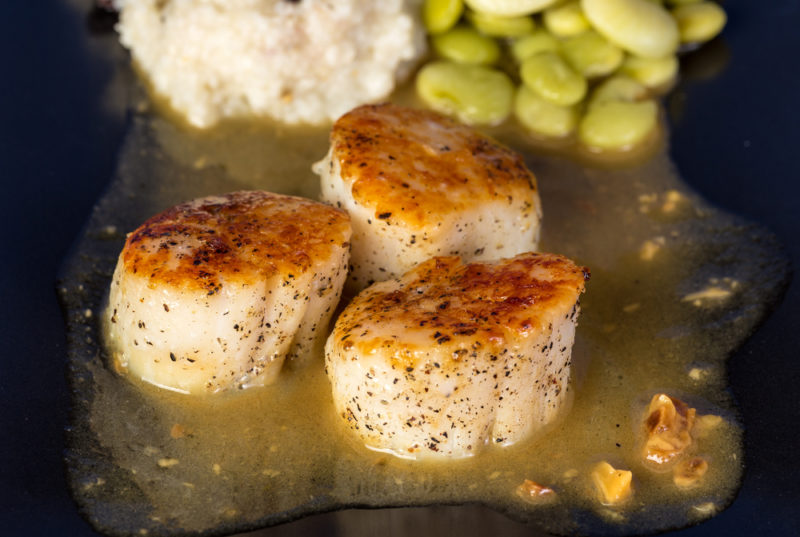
(452, 356)
(417, 185)
(216, 293)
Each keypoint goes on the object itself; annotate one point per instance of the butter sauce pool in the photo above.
(676, 286)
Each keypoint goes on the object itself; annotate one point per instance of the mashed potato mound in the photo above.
(301, 61)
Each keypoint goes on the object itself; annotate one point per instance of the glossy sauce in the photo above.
(147, 459)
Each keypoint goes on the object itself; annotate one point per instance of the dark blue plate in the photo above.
(735, 129)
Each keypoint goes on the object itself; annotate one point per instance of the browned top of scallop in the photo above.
(462, 306)
(412, 165)
(238, 237)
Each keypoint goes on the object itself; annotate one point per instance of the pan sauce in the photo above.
(676, 286)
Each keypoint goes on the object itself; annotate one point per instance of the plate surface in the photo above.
(733, 139)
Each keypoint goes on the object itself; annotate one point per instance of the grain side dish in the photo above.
(296, 62)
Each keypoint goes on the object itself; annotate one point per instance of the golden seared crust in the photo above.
(462, 306)
(415, 165)
(240, 237)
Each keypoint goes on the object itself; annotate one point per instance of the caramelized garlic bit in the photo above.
(612, 485)
(668, 424)
(531, 491)
(688, 473)
(699, 373)
(216, 468)
(651, 247)
(672, 199)
(167, 462)
(178, 431)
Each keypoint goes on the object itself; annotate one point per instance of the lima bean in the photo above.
(441, 15)
(618, 125)
(473, 93)
(565, 20)
(591, 54)
(699, 22)
(495, 26)
(617, 88)
(543, 117)
(539, 41)
(553, 79)
(463, 44)
(652, 72)
(509, 8)
(643, 28)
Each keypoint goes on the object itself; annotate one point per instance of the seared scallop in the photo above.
(418, 185)
(215, 293)
(451, 357)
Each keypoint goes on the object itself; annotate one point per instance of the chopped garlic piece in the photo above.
(531, 491)
(613, 486)
(688, 473)
(668, 425)
(98, 482)
(717, 291)
(698, 373)
(672, 199)
(630, 308)
(706, 508)
(709, 293)
(706, 423)
(650, 248)
(167, 462)
(178, 431)
(648, 198)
